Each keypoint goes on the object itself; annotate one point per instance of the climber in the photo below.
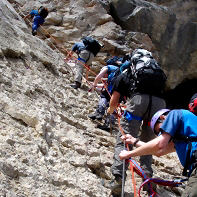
(143, 89)
(108, 71)
(86, 51)
(111, 71)
(38, 18)
(176, 131)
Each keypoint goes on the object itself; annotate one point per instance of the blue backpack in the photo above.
(112, 75)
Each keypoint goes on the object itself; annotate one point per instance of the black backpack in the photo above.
(113, 61)
(91, 45)
(43, 12)
(146, 75)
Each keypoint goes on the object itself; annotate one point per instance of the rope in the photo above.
(123, 176)
(71, 57)
(140, 172)
(69, 53)
(131, 166)
(133, 179)
(20, 12)
(134, 167)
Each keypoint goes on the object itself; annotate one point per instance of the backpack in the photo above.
(112, 77)
(193, 104)
(43, 12)
(146, 75)
(92, 45)
(113, 61)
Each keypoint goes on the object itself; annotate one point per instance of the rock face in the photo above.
(48, 146)
(171, 27)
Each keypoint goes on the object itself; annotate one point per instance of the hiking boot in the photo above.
(116, 186)
(76, 85)
(104, 127)
(95, 115)
(99, 117)
(34, 32)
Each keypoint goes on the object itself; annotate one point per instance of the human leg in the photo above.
(117, 167)
(146, 161)
(152, 104)
(79, 71)
(85, 57)
(191, 188)
(101, 108)
(137, 107)
(34, 29)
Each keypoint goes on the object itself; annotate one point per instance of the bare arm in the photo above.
(113, 102)
(100, 75)
(129, 139)
(27, 16)
(158, 146)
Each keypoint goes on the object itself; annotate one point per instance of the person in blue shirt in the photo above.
(38, 18)
(177, 131)
(109, 72)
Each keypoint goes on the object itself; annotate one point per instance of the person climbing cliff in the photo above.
(176, 131)
(38, 18)
(143, 84)
(86, 50)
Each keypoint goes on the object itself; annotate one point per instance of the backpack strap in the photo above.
(185, 138)
(148, 110)
(188, 160)
(81, 59)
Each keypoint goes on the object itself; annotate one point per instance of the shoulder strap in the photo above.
(187, 161)
(189, 140)
(185, 138)
(148, 108)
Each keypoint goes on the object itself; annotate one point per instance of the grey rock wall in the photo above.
(171, 25)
